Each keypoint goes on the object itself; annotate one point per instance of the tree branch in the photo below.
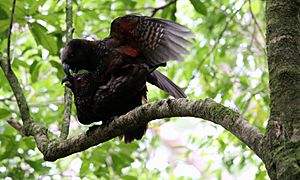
(17, 126)
(208, 109)
(9, 33)
(255, 20)
(155, 10)
(68, 93)
(18, 93)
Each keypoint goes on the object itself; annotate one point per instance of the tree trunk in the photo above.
(283, 131)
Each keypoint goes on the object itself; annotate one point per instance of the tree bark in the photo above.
(283, 47)
(68, 93)
(207, 109)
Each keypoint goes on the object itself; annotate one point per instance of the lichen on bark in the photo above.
(283, 47)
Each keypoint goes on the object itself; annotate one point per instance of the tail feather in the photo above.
(158, 79)
(137, 134)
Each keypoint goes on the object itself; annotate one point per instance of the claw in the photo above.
(65, 79)
(91, 129)
(66, 68)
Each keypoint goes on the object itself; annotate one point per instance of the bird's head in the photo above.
(77, 55)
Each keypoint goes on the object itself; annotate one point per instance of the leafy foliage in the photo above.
(227, 63)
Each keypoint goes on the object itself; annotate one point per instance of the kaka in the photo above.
(142, 39)
(95, 100)
(136, 43)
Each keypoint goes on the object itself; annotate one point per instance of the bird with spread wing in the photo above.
(119, 66)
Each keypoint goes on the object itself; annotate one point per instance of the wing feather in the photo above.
(159, 40)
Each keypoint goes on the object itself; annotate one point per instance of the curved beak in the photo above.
(65, 79)
(66, 68)
(67, 82)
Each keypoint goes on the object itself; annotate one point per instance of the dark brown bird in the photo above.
(137, 41)
(96, 99)
(152, 41)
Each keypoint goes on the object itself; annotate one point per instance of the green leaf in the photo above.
(20, 11)
(3, 14)
(10, 150)
(4, 24)
(36, 4)
(128, 177)
(29, 142)
(19, 63)
(84, 169)
(41, 37)
(34, 70)
(199, 7)
(4, 113)
(37, 165)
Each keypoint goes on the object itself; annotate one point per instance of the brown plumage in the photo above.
(143, 39)
(134, 40)
(98, 100)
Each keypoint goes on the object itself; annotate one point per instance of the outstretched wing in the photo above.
(158, 40)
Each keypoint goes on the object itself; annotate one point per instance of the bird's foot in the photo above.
(108, 121)
(91, 129)
(67, 78)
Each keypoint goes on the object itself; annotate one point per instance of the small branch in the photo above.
(155, 10)
(68, 93)
(7, 99)
(15, 125)
(19, 95)
(255, 21)
(9, 33)
(207, 109)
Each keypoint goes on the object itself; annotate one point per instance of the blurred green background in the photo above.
(227, 63)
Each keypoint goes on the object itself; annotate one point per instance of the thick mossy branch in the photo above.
(207, 109)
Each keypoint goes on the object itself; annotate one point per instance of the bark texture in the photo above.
(207, 109)
(68, 93)
(283, 131)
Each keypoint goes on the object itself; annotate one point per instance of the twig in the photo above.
(259, 28)
(252, 94)
(9, 33)
(255, 20)
(7, 99)
(68, 93)
(155, 10)
(17, 126)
